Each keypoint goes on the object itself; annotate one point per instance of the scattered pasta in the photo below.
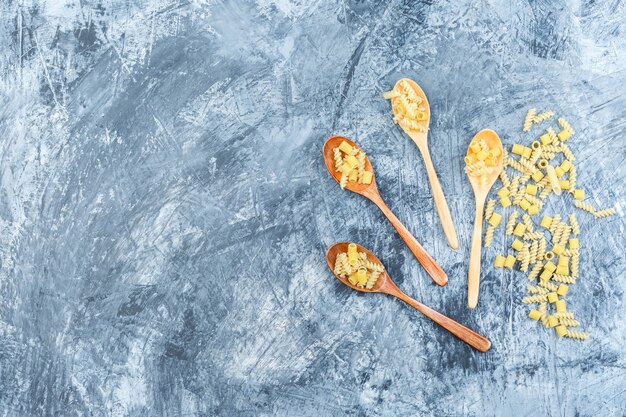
(550, 254)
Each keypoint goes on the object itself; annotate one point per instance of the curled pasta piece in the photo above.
(338, 159)
(565, 125)
(574, 224)
(584, 206)
(510, 224)
(343, 181)
(474, 167)
(516, 165)
(361, 158)
(575, 264)
(535, 289)
(534, 272)
(572, 334)
(543, 116)
(537, 298)
(564, 315)
(545, 192)
(605, 212)
(569, 322)
(567, 152)
(524, 258)
(572, 179)
(489, 235)
(532, 236)
(528, 120)
(371, 280)
(548, 285)
(505, 179)
(373, 266)
(534, 249)
(564, 279)
(541, 252)
(528, 223)
(491, 205)
(543, 309)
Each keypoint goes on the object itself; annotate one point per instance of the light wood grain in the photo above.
(370, 191)
(421, 140)
(480, 194)
(385, 285)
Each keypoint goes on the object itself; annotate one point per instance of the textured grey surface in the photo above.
(164, 209)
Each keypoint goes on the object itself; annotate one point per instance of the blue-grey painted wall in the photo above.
(164, 209)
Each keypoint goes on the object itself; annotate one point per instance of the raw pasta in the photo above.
(350, 161)
(355, 266)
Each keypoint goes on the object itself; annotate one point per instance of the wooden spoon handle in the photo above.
(432, 268)
(440, 200)
(468, 336)
(473, 273)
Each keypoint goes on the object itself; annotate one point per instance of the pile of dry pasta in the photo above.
(549, 253)
(357, 268)
(350, 161)
(408, 107)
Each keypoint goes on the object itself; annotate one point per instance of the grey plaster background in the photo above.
(164, 209)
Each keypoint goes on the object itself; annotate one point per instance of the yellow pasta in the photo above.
(565, 279)
(577, 335)
(554, 180)
(491, 204)
(499, 261)
(534, 272)
(509, 262)
(351, 162)
(528, 120)
(569, 322)
(585, 206)
(355, 266)
(605, 212)
(537, 298)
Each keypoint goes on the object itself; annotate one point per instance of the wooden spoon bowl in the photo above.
(481, 189)
(385, 285)
(370, 191)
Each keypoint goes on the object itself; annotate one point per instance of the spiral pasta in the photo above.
(491, 204)
(572, 179)
(567, 152)
(535, 289)
(537, 298)
(577, 335)
(489, 236)
(564, 315)
(575, 264)
(574, 224)
(605, 212)
(543, 116)
(361, 168)
(505, 179)
(585, 206)
(565, 279)
(516, 165)
(510, 224)
(528, 120)
(532, 235)
(569, 322)
(355, 266)
(547, 285)
(534, 272)
(524, 258)
(565, 125)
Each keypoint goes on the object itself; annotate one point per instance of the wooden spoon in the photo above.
(420, 139)
(385, 285)
(481, 189)
(370, 191)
